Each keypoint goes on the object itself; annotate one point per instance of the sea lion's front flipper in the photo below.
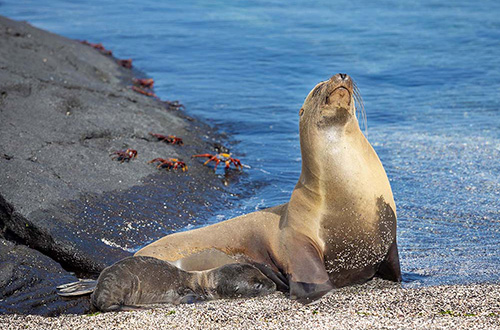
(307, 293)
(389, 269)
(306, 271)
(278, 278)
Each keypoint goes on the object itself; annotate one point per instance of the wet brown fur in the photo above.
(136, 282)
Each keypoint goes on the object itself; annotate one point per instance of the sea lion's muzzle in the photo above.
(340, 98)
(340, 95)
(336, 107)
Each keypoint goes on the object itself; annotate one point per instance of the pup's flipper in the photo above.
(79, 288)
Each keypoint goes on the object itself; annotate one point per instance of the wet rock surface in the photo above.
(64, 107)
(28, 280)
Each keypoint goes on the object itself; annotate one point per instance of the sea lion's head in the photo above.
(330, 104)
(327, 117)
(242, 280)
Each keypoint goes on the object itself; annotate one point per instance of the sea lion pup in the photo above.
(134, 282)
(338, 228)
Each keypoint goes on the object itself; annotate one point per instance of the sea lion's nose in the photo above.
(341, 78)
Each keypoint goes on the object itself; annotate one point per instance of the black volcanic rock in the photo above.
(28, 280)
(64, 107)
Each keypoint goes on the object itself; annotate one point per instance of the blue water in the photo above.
(428, 72)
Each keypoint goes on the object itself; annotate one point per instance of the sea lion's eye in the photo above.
(301, 112)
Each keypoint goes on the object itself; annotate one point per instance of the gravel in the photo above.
(374, 305)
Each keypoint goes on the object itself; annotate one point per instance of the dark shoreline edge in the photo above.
(64, 107)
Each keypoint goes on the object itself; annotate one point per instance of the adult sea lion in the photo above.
(339, 226)
(134, 282)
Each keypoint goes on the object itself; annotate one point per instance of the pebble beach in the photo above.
(374, 305)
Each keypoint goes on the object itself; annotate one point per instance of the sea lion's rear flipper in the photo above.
(389, 269)
(307, 275)
(75, 289)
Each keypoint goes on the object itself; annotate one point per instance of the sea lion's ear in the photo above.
(301, 112)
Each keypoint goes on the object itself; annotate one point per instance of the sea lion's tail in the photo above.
(75, 289)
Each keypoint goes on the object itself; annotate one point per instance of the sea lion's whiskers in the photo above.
(358, 99)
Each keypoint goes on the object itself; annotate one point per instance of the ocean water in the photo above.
(427, 71)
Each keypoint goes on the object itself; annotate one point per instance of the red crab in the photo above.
(124, 155)
(223, 155)
(170, 163)
(126, 63)
(173, 105)
(147, 83)
(143, 91)
(172, 139)
(98, 46)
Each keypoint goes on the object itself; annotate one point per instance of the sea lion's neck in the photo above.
(324, 152)
(327, 157)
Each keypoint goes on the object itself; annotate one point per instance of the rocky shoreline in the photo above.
(65, 204)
